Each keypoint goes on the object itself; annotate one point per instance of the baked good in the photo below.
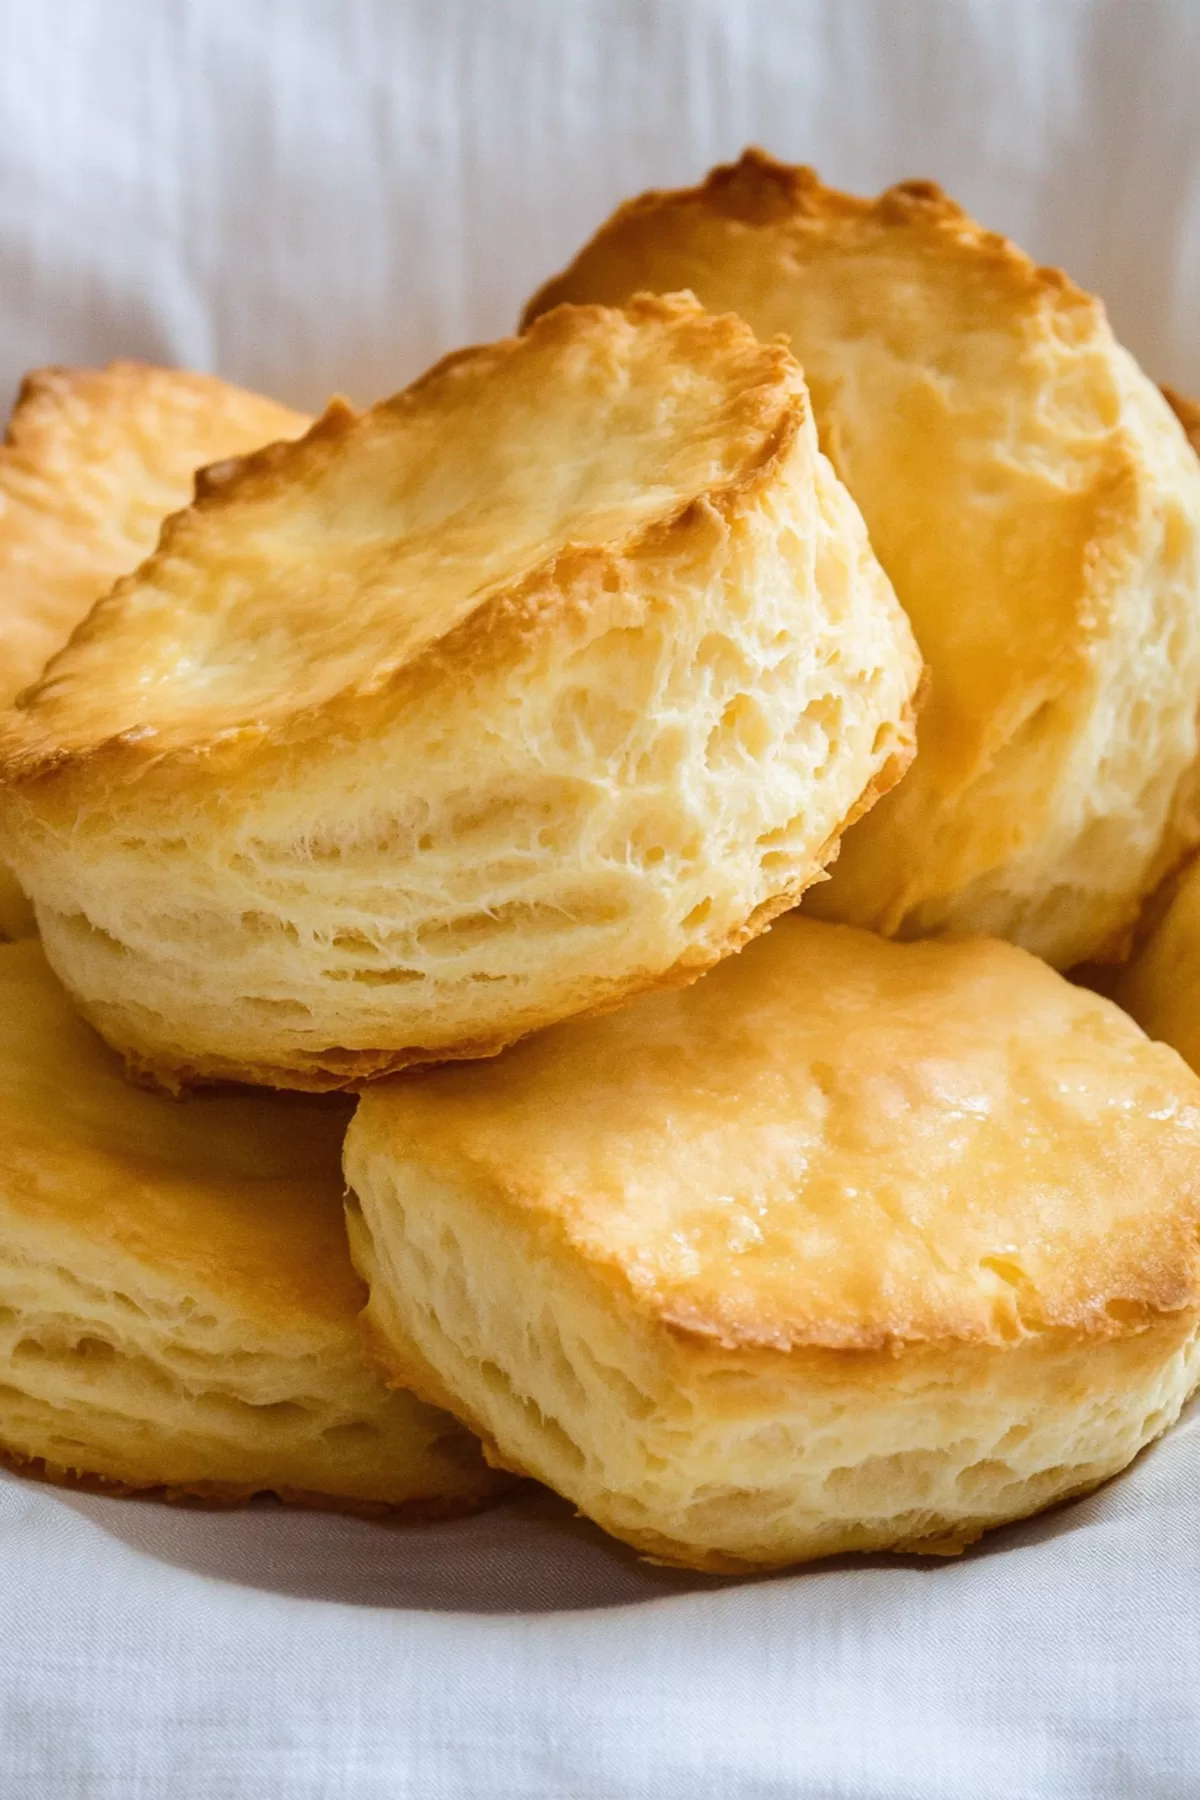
(548, 680)
(1160, 985)
(92, 462)
(854, 1245)
(1037, 509)
(177, 1308)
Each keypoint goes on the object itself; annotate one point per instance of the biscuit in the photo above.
(177, 1307)
(547, 681)
(92, 462)
(1037, 509)
(854, 1245)
(1160, 985)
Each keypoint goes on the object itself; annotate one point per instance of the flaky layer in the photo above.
(1036, 507)
(177, 1308)
(92, 462)
(620, 743)
(853, 1245)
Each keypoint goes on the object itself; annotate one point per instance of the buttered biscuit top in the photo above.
(552, 678)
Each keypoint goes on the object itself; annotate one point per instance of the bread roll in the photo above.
(93, 461)
(1037, 508)
(177, 1308)
(854, 1245)
(549, 680)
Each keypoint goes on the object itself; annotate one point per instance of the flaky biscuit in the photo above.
(854, 1245)
(177, 1307)
(1037, 509)
(92, 462)
(549, 680)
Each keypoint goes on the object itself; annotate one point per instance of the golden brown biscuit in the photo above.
(549, 680)
(1036, 507)
(92, 462)
(854, 1245)
(177, 1308)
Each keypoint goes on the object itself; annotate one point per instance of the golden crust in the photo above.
(915, 1073)
(759, 191)
(177, 1308)
(1032, 501)
(92, 462)
(846, 1224)
(622, 665)
(407, 620)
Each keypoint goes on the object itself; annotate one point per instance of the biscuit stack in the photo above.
(801, 552)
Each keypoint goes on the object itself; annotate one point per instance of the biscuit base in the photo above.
(666, 1554)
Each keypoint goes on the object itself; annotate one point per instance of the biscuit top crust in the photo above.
(323, 569)
(836, 1141)
(92, 462)
(760, 191)
(235, 1195)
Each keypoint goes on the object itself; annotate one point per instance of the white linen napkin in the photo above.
(307, 196)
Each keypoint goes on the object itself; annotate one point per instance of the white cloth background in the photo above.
(305, 195)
